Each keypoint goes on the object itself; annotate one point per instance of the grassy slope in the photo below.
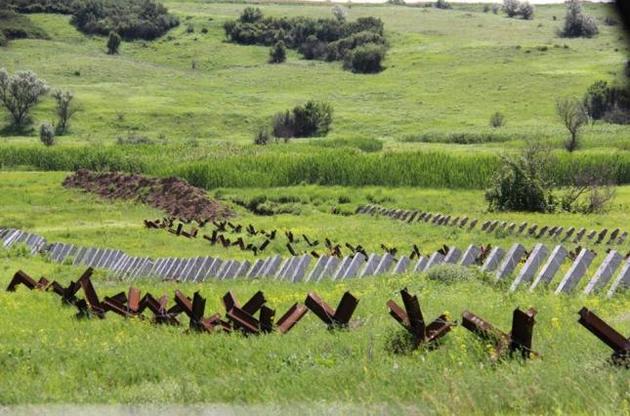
(447, 71)
(37, 202)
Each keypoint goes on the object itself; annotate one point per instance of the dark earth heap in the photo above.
(173, 195)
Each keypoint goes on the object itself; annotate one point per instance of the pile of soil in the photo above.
(173, 195)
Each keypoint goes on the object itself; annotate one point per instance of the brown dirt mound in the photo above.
(173, 195)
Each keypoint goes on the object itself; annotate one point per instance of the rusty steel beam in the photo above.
(412, 320)
(22, 278)
(290, 318)
(517, 341)
(91, 304)
(608, 335)
(331, 317)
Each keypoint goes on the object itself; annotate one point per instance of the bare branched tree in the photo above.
(591, 192)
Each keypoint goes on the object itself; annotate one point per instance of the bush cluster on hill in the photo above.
(360, 44)
(576, 23)
(16, 26)
(608, 103)
(131, 19)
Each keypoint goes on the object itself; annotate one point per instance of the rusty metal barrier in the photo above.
(412, 320)
(519, 340)
(333, 318)
(608, 335)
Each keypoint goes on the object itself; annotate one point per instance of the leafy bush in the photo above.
(514, 8)
(278, 53)
(450, 273)
(131, 19)
(497, 120)
(609, 103)
(262, 136)
(313, 119)
(251, 15)
(365, 59)
(283, 125)
(526, 10)
(511, 7)
(19, 93)
(17, 26)
(313, 48)
(442, 4)
(576, 23)
(521, 183)
(329, 39)
(64, 109)
(47, 134)
(574, 116)
(113, 43)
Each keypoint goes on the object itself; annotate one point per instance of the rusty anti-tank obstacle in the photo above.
(333, 318)
(242, 317)
(608, 335)
(412, 320)
(518, 340)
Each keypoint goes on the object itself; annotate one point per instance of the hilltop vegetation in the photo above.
(131, 19)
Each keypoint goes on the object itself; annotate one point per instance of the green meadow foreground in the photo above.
(48, 356)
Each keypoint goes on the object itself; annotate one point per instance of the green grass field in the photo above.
(396, 141)
(49, 357)
(447, 71)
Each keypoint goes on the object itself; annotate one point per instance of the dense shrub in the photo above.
(278, 53)
(497, 120)
(442, 4)
(366, 59)
(131, 19)
(331, 39)
(526, 11)
(510, 7)
(47, 134)
(339, 49)
(113, 43)
(313, 119)
(262, 136)
(576, 23)
(609, 103)
(521, 183)
(17, 26)
(514, 8)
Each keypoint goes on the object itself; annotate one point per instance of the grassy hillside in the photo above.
(447, 72)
